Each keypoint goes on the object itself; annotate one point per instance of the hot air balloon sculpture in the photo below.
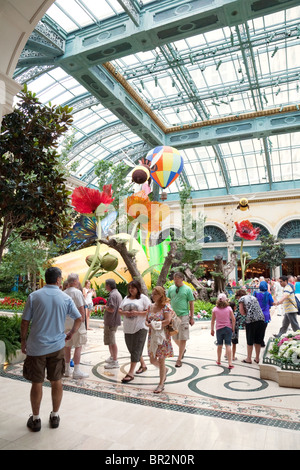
(166, 164)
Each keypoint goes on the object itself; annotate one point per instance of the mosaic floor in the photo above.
(200, 387)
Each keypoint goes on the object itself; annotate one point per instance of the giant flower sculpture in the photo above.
(87, 201)
(245, 231)
(93, 203)
(148, 214)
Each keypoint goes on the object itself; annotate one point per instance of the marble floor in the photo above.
(203, 407)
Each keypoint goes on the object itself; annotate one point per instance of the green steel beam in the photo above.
(132, 9)
(161, 23)
(43, 47)
(93, 138)
(113, 96)
(240, 190)
(256, 127)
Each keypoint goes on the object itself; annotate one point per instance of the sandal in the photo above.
(141, 369)
(159, 389)
(127, 378)
(230, 367)
(246, 362)
(257, 362)
(178, 364)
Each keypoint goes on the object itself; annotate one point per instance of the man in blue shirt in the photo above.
(45, 312)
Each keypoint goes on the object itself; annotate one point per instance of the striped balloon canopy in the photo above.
(166, 164)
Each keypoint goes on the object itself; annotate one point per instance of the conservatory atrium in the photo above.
(220, 82)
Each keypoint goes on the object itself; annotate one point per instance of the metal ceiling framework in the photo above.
(122, 63)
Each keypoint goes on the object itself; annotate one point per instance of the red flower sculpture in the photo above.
(86, 200)
(245, 230)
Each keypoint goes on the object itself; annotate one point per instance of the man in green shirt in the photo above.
(182, 302)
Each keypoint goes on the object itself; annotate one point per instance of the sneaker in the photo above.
(80, 375)
(34, 425)
(109, 359)
(112, 365)
(54, 421)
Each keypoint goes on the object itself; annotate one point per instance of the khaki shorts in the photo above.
(78, 339)
(35, 366)
(184, 329)
(110, 335)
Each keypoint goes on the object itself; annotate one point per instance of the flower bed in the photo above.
(202, 315)
(285, 351)
(202, 310)
(9, 303)
(98, 312)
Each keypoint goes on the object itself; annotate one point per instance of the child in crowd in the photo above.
(222, 314)
(235, 333)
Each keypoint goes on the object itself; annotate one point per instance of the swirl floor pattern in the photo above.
(200, 387)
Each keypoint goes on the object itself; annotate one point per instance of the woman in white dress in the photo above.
(88, 294)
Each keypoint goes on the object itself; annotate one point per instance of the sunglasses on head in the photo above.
(177, 289)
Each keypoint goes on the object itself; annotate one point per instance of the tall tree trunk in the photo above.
(167, 264)
(191, 278)
(5, 234)
(218, 275)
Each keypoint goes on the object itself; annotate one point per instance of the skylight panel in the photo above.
(103, 9)
(193, 182)
(76, 13)
(61, 19)
(51, 93)
(58, 73)
(41, 83)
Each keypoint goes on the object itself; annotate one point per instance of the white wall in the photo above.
(18, 19)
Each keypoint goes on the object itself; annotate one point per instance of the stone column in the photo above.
(8, 90)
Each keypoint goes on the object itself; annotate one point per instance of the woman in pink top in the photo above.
(222, 314)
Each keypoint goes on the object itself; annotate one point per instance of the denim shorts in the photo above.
(224, 335)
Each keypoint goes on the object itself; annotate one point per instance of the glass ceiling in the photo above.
(225, 72)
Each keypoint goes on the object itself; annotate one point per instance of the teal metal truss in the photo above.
(95, 56)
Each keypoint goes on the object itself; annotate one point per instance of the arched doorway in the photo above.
(290, 231)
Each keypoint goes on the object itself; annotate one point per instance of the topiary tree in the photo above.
(271, 252)
(34, 199)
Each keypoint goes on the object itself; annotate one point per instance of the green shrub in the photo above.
(10, 334)
(203, 309)
(101, 291)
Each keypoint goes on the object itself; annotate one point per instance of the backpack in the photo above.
(297, 304)
(296, 299)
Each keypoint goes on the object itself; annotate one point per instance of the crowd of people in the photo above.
(56, 319)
